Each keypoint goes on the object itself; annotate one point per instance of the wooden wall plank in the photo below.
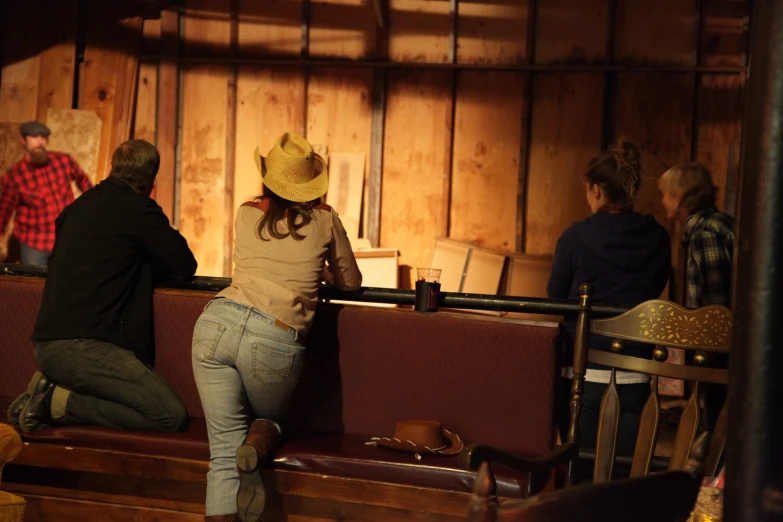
(19, 92)
(655, 32)
(58, 62)
(202, 186)
(720, 127)
(205, 97)
(270, 102)
(343, 29)
(167, 114)
(414, 198)
(571, 31)
(724, 34)
(565, 135)
(146, 118)
(336, 96)
(487, 141)
(493, 32)
(419, 31)
(270, 27)
(663, 130)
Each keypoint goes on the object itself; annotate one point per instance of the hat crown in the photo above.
(291, 159)
(423, 433)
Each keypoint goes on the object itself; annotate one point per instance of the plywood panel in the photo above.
(492, 32)
(414, 195)
(270, 102)
(270, 27)
(78, 133)
(487, 141)
(202, 188)
(11, 150)
(342, 29)
(483, 273)
(419, 31)
(720, 127)
(662, 129)
(565, 135)
(571, 31)
(655, 32)
(55, 89)
(146, 119)
(452, 259)
(19, 91)
(528, 275)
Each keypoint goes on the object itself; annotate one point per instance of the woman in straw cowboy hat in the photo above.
(248, 341)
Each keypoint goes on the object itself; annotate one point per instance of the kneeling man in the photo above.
(94, 337)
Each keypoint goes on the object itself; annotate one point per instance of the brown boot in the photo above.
(221, 518)
(259, 447)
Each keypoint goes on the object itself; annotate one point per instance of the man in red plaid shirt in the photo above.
(38, 188)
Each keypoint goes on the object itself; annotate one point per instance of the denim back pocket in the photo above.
(206, 336)
(275, 365)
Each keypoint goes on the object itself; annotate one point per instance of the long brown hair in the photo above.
(296, 216)
(618, 172)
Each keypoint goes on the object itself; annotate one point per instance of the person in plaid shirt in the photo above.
(37, 188)
(707, 251)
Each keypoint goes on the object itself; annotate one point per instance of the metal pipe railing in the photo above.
(486, 302)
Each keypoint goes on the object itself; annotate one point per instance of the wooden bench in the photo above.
(490, 380)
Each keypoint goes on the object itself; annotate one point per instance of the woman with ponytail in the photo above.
(626, 257)
(247, 345)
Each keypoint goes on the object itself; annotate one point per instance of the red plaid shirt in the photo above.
(38, 195)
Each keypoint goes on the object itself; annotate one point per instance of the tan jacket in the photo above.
(281, 277)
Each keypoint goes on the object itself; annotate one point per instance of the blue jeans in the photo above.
(32, 256)
(245, 368)
(110, 387)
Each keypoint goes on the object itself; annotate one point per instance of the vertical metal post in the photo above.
(754, 456)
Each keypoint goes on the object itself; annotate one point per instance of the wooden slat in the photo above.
(486, 150)
(21, 64)
(686, 431)
(720, 127)
(384, 494)
(202, 187)
(492, 32)
(78, 133)
(146, 118)
(419, 31)
(67, 510)
(608, 427)
(663, 130)
(167, 115)
(674, 371)
(55, 88)
(717, 444)
(724, 35)
(270, 27)
(111, 462)
(566, 134)
(270, 102)
(648, 432)
(414, 198)
(655, 32)
(342, 29)
(571, 31)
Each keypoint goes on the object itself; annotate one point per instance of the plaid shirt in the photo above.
(38, 195)
(709, 240)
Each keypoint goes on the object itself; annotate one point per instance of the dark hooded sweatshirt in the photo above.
(625, 256)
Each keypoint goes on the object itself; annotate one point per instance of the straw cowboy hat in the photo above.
(292, 170)
(421, 437)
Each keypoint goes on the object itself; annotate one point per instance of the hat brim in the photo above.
(454, 445)
(298, 192)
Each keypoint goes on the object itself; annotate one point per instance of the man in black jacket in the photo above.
(94, 337)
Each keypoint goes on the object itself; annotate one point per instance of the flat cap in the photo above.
(34, 128)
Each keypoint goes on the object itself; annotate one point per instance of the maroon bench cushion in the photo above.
(348, 456)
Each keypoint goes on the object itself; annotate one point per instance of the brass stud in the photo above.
(660, 353)
(618, 346)
(701, 358)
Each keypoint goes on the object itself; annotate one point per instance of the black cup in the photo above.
(427, 295)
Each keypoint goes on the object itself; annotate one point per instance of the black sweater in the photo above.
(627, 259)
(110, 244)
